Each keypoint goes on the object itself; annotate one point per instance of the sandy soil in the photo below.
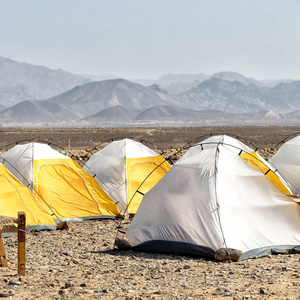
(81, 263)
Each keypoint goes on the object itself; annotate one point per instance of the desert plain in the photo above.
(82, 262)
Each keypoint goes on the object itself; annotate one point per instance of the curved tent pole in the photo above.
(121, 138)
(217, 209)
(37, 141)
(29, 185)
(240, 152)
(193, 143)
(137, 191)
(287, 138)
(209, 143)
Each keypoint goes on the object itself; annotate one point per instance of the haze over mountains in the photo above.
(38, 96)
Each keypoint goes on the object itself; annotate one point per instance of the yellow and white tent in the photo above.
(126, 170)
(58, 183)
(211, 200)
(15, 197)
(287, 161)
(249, 155)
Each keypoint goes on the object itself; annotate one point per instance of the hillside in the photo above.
(37, 111)
(96, 96)
(22, 81)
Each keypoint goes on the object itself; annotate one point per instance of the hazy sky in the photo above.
(147, 39)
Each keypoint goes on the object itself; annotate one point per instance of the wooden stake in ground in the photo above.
(21, 243)
(3, 258)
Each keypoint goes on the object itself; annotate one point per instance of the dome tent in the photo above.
(252, 157)
(15, 197)
(126, 169)
(58, 183)
(287, 161)
(214, 199)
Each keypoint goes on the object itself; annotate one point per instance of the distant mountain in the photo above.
(156, 88)
(238, 97)
(284, 97)
(169, 79)
(229, 92)
(2, 107)
(22, 81)
(99, 77)
(37, 111)
(95, 96)
(218, 94)
(113, 114)
(175, 83)
(163, 113)
(233, 76)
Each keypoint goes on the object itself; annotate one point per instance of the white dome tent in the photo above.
(127, 169)
(211, 200)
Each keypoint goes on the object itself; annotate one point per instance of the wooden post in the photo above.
(3, 258)
(21, 243)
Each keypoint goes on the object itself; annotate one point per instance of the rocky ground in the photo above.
(82, 263)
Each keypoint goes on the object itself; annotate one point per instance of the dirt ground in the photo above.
(81, 263)
(162, 137)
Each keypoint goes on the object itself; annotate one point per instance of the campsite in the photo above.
(82, 263)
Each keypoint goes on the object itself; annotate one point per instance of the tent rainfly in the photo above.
(212, 200)
(58, 183)
(250, 156)
(15, 197)
(287, 161)
(126, 170)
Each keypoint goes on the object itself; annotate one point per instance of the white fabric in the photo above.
(215, 199)
(229, 142)
(234, 146)
(21, 158)
(287, 161)
(136, 149)
(109, 164)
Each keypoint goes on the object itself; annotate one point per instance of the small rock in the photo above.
(227, 254)
(122, 244)
(14, 282)
(62, 292)
(69, 284)
(3, 295)
(262, 291)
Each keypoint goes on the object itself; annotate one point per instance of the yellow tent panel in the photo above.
(15, 197)
(254, 160)
(142, 175)
(58, 183)
(69, 190)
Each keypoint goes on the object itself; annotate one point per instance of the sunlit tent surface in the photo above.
(251, 157)
(59, 184)
(212, 200)
(287, 161)
(126, 170)
(15, 197)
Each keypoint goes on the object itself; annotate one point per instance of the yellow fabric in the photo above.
(15, 197)
(69, 190)
(137, 170)
(253, 160)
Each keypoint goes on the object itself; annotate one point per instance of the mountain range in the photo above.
(22, 81)
(38, 95)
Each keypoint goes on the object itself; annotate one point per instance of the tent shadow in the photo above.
(134, 254)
